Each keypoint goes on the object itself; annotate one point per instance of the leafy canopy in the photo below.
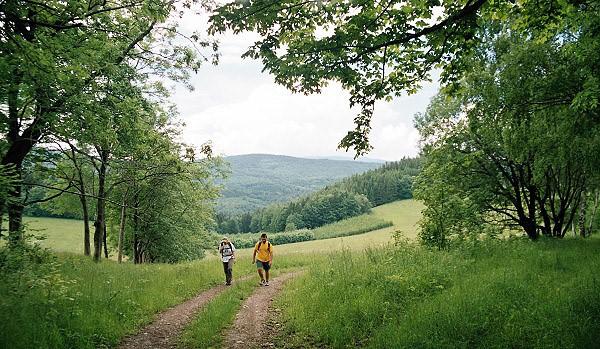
(375, 49)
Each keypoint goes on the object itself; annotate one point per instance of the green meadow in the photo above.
(386, 292)
(66, 235)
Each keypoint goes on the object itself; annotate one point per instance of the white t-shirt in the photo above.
(227, 251)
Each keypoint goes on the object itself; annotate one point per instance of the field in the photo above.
(404, 214)
(483, 294)
(60, 235)
(66, 235)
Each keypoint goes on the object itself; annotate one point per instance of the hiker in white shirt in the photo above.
(227, 251)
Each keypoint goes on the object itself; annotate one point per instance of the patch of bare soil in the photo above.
(164, 330)
(253, 327)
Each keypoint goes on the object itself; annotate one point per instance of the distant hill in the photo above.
(348, 158)
(258, 180)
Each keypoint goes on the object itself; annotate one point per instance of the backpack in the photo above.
(223, 250)
(268, 246)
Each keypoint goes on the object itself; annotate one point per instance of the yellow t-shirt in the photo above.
(263, 253)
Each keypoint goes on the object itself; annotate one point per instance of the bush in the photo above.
(249, 240)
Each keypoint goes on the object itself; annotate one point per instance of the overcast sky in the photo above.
(242, 111)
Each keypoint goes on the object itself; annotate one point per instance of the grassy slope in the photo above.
(88, 305)
(66, 235)
(101, 303)
(481, 296)
(404, 214)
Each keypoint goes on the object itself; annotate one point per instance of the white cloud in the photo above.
(242, 110)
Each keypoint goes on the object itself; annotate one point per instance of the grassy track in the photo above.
(206, 329)
(81, 304)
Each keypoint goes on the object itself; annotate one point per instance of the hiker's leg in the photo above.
(225, 269)
(260, 273)
(267, 267)
(229, 271)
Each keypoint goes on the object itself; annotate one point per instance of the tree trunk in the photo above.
(1, 218)
(105, 244)
(15, 223)
(121, 232)
(100, 222)
(582, 214)
(136, 243)
(15, 212)
(84, 205)
(594, 211)
(86, 226)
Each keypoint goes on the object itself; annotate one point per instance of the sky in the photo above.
(242, 111)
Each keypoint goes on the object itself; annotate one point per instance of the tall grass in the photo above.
(492, 295)
(71, 302)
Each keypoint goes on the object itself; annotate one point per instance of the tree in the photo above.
(377, 49)
(53, 56)
(517, 138)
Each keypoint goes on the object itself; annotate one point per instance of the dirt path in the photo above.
(252, 321)
(163, 331)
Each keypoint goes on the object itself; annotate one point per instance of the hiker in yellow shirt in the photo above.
(263, 257)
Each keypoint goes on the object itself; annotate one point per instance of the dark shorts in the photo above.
(263, 265)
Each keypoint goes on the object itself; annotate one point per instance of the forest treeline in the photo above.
(349, 197)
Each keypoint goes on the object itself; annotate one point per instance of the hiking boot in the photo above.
(261, 283)
(266, 283)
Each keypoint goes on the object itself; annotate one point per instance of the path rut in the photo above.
(251, 325)
(163, 332)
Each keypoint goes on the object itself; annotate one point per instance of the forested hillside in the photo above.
(257, 180)
(349, 197)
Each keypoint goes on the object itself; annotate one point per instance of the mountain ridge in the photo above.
(257, 180)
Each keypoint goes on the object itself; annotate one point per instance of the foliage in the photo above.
(288, 237)
(171, 214)
(80, 71)
(390, 182)
(377, 50)
(476, 296)
(509, 144)
(326, 206)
